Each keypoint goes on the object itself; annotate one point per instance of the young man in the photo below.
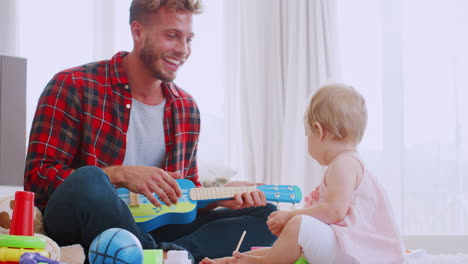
(124, 123)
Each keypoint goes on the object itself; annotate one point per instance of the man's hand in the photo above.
(147, 180)
(277, 220)
(244, 200)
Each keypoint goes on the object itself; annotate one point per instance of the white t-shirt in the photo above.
(145, 135)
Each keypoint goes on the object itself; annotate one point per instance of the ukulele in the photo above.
(150, 217)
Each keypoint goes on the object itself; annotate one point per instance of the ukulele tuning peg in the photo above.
(290, 187)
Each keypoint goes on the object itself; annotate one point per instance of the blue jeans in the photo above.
(86, 204)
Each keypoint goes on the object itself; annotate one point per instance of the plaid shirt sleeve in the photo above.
(54, 137)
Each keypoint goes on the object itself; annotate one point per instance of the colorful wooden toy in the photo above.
(149, 217)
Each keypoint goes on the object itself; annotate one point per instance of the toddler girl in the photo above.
(348, 217)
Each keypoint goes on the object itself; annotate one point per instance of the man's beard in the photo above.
(148, 58)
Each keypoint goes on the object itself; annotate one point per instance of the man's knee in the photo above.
(89, 176)
(264, 211)
(270, 208)
(87, 185)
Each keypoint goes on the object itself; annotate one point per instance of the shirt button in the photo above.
(128, 106)
(126, 87)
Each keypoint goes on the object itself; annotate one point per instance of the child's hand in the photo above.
(277, 220)
(237, 257)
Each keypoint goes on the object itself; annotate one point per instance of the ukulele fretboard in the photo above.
(198, 194)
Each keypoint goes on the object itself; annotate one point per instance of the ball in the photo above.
(115, 246)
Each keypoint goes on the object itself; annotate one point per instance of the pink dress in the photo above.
(368, 232)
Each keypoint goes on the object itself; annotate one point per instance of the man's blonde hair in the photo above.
(141, 8)
(340, 110)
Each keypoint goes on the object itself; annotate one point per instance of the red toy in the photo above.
(22, 221)
(21, 237)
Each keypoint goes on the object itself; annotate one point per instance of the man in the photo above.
(124, 123)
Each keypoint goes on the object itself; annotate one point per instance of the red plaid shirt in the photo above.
(82, 118)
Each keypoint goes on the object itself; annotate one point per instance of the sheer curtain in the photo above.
(409, 59)
(277, 54)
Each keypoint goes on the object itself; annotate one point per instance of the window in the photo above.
(409, 59)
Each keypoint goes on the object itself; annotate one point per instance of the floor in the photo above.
(437, 249)
(438, 244)
(438, 259)
(426, 249)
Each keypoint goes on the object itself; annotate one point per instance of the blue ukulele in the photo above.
(149, 217)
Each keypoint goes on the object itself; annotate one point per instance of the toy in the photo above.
(34, 258)
(301, 260)
(7, 205)
(177, 257)
(22, 241)
(149, 217)
(152, 256)
(14, 254)
(22, 222)
(21, 238)
(115, 246)
(72, 254)
(240, 240)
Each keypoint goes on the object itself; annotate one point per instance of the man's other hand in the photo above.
(244, 200)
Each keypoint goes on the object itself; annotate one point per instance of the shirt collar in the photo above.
(117, 71)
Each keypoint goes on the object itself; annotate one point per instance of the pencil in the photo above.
(240, 241)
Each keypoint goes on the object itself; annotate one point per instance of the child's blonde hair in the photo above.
(340, 110)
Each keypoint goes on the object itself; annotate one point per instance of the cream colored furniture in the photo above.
(12, 120)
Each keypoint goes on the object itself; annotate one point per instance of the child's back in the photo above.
(368, 232)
